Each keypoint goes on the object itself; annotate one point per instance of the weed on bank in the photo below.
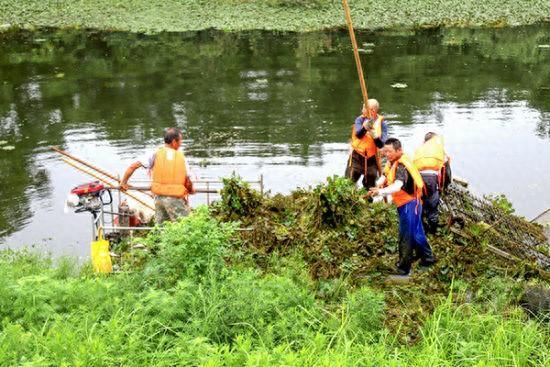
(194, 297)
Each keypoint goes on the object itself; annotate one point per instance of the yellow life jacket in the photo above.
(402, 197)
(431, 155)
(169, 173)
(366, 146)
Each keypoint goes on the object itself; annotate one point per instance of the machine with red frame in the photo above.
(93, 197)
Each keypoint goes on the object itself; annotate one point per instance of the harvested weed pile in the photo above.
(341, 235)
(339, 231)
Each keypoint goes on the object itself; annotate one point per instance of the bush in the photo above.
(188, 248)
(237, 198)
(336, 202)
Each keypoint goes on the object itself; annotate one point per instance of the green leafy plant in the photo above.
(500, 201)
(237, 198)
(188, 248)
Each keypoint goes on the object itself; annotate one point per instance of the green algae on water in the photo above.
(155, 16)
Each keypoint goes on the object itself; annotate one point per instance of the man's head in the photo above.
(172, 137)
(428, 136)
(372, 107)
(392, 149)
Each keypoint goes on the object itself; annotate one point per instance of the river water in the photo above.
(277, 105)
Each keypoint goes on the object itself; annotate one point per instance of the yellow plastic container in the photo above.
(101, 259)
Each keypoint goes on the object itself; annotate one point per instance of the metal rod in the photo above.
(540, 215)
(104, 181)
(262, 184)
(89, 165)
(119, 194)
(147, 188)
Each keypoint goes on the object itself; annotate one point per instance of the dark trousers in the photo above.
(412, 238)
(430, 199)
(361, 166)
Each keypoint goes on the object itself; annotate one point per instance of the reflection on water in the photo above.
(280, 105)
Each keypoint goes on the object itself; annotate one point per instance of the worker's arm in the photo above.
(360, 129)
(380, 141)
(129, 172)
(391, 189)
(380, 181)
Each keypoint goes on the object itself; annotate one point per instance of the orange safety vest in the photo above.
(169, 173)
(402, 197)
(365, 146)
(431, 155)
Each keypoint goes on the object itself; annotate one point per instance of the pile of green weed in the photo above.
(333, 225)
(340, 232)
(238, 199)
(341, 235)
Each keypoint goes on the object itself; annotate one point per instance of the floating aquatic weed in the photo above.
(365, 50)
(399, 85)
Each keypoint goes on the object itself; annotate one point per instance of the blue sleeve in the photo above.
(359, 129)
(384, 136)
(379, 142)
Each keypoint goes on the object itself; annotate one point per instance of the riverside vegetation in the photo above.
(283, 280)
(153, 16)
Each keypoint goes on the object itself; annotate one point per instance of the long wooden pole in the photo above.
(112, 177)
(102, 179)
(83, 162)
(89, 165)
(360, 73)
(356, 54)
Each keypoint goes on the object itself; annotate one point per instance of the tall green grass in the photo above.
(205, 312)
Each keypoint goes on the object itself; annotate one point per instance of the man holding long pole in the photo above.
(368, 135)
(369, 131)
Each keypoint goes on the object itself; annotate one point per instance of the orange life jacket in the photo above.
(169, 173)
(365, 146)
(431, 155)
(402, 197)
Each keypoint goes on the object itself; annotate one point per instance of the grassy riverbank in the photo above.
(64, 316)
(202, 293)
(152, 16)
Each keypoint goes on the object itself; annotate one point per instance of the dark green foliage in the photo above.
(333, 225)
(335, 203)
(237, 198)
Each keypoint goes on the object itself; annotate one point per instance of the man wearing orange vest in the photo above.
(367, 136)
(403, 182)
(434, 166)
(170, 182)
